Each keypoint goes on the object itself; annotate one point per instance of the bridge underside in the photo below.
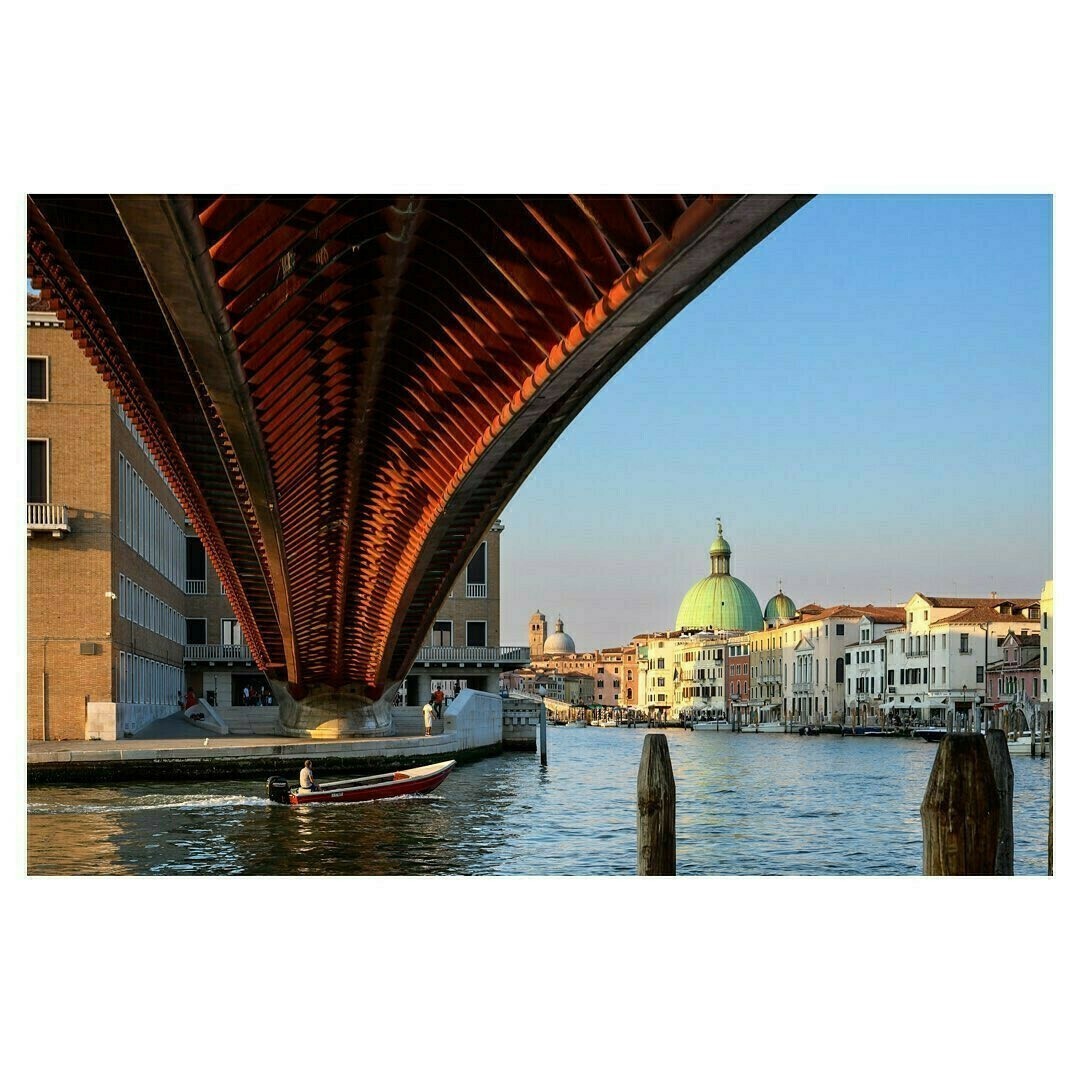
(344, 391)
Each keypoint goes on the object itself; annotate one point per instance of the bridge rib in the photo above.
(165, 232)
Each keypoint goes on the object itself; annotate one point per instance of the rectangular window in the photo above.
(231, 634)
(196, 559)
(476, 634)
(1044, 654)
(978, 673)
(37, 378)
(442, 634)
(37, 470)
(194, 631)
(892, 678)
(476, 574)
(964, 647)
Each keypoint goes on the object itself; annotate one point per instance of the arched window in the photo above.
(839, 670)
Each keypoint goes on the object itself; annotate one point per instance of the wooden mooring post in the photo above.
(961, 811)
(1050, 824)
(656, 808)
(543, 733)
(997, 746)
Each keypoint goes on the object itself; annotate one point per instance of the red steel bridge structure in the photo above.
(345, 390)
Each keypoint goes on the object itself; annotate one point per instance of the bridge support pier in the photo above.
(335, 712)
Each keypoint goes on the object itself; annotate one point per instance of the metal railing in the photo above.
(217, 652)
(472, 654)
(47, 517)
(195, 586)
(476, 592)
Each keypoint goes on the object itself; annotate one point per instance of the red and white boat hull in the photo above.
(416, 781)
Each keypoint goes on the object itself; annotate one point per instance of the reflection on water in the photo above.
(746, 804)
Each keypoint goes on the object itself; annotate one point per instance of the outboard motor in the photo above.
(277, 790)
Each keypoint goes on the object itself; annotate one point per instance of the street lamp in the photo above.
(111, 596)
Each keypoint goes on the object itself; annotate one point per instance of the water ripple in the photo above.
(745, 805)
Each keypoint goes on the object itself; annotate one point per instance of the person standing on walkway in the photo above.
(438, 697)
(428, 711)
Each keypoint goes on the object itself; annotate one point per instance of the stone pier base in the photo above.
(335, 712)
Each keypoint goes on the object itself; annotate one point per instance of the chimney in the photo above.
(993, 595)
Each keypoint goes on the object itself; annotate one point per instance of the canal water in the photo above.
(749, 804)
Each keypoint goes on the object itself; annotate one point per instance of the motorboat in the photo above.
(608, 721)
(416, 781)
(765, 725)
(1028, 744)
(930, 734)
(710, 725)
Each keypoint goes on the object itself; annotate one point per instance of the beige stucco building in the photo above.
(1046, 667)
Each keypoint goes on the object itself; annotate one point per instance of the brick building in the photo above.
(105, 546)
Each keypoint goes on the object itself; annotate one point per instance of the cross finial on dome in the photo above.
(719, 528)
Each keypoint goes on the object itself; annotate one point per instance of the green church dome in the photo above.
(720, 600)
(780, 607)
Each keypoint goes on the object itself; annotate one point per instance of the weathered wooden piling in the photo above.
(997, 746)
(656, 808)
(543, 733)
(1050, 825)
(960, 811)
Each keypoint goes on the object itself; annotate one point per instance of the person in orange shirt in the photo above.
(438, 698)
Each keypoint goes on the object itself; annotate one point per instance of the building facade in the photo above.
(1046, 667)
(737, 677)
(105, 554)
(937, 660)
(699, 662)
(657, 672)
(814, 650)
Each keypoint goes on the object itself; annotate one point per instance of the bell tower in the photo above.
(537, 634)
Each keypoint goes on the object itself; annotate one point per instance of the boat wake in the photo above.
(152, 802)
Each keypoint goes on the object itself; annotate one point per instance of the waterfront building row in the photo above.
(921, 661)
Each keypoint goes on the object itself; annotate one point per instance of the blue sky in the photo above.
(864, 399)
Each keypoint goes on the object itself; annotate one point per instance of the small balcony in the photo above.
(195, 586)
(476, 592)
(51, 518)
(216, 654)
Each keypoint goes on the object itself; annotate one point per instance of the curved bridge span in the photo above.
(344, 391)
